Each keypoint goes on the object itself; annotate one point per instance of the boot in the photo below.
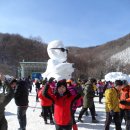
(45, 122)
(51, 122)
(86, 113)
(80, 120)
(75, 127)
(95, 121)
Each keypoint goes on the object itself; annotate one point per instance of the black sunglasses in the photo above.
(62, 49)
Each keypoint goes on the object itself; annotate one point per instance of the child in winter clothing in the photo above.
(63, 101)
(4, 100)
(46, 106)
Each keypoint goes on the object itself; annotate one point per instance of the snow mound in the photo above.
(112, 76)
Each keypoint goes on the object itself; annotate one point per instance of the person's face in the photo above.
(13, 85)
(68, 84)
(61, 89)
(94, 83)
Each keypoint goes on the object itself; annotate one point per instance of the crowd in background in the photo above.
(60, 99)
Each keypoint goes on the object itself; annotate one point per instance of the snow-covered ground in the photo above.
(123, 56)
(34, 122)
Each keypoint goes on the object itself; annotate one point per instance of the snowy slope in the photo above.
(123, 56)
(34, 122)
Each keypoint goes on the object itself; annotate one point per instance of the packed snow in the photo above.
(35, 122)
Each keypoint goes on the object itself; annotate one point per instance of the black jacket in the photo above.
(21, 94)
(7, 98)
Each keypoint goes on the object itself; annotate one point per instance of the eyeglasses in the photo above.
(62, 49)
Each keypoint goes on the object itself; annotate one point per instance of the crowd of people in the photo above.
(60, 99)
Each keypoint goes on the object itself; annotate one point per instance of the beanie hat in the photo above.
(61, 82)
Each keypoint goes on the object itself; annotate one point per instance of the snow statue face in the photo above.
(57, 51)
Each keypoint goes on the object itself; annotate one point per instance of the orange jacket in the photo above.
(125, 95)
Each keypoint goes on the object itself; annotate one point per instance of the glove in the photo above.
(112, 113)
(51, 79)
(123, 102)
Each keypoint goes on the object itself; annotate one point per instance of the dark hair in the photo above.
(92, 80)
(125, 82)
(12, 81)
(118, 82)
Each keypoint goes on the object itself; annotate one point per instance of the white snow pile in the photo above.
(112, 76)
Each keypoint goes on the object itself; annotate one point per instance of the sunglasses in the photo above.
(62, 49)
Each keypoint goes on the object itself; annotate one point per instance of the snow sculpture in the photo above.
(57, 65)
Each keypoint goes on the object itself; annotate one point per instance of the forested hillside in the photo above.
(91, 61)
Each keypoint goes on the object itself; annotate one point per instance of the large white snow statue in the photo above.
(112, 76)
(57, 65)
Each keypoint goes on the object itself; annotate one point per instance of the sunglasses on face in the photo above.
(62, 49)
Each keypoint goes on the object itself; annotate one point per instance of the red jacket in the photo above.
(62, 107)
(44, 101)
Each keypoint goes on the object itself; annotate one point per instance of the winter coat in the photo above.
(125, 95)
(62, 106)
(4, 100)
(44, 101)
(100, 87)
(21, 94)
(74, 91)
(37, 85)
(112, 100)
(88, 95)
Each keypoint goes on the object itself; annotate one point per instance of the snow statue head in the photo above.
(57, 65)
(56, 51)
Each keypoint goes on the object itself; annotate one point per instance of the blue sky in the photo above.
(80, 23)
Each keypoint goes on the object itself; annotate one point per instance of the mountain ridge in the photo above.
(89, 61)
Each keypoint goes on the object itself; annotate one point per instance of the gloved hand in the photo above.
(51, 80)
(123, 102)
(112, 113)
